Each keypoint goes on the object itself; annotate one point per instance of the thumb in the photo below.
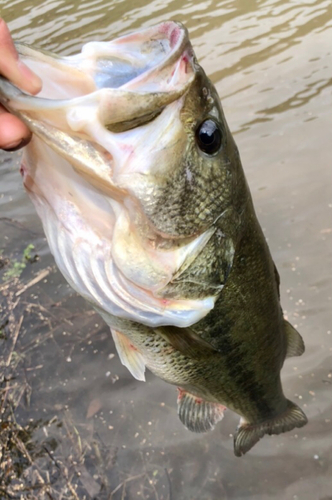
(12, 68)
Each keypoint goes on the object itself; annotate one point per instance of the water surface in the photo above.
(90, 429)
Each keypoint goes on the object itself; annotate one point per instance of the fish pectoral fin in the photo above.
(129, 356)
(248, 434)
(186, 341)
(295, 344)
(196, 414)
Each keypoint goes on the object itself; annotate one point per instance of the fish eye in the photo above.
(209, 137)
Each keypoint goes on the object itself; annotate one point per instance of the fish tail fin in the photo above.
(196, 414)
(248, 434)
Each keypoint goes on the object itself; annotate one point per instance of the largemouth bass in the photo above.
(139, 185)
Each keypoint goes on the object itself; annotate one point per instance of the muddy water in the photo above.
(271, 63)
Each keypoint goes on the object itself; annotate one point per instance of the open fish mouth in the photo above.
(110, 86)
(106, 128)
(157, 62)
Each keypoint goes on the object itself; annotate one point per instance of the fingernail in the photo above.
(33, 83)
(15, 146)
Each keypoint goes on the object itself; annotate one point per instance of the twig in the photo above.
(15, 336)
(72, 490)
(4, 492)
(153, 487)
(20, 445)
(36, 279)
(123, 491)
(124, 483)
(8, 284)
(169, 484)
(18, 224)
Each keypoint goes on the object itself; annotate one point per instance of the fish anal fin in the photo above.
(129, 355)
(196, 414)
(248, 434)
(295, 344)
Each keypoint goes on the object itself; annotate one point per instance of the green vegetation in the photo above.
(16, 267)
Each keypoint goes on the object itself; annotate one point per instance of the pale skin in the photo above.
(13, 133)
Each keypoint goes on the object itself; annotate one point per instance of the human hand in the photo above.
(13, 133)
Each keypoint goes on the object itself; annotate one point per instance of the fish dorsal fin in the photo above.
(295, 344)
(196, 414)
(129, 356)
(186, 341)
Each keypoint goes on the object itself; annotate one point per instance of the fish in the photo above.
(138, 183)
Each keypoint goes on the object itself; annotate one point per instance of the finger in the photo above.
(13, 133)
(12, 68)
